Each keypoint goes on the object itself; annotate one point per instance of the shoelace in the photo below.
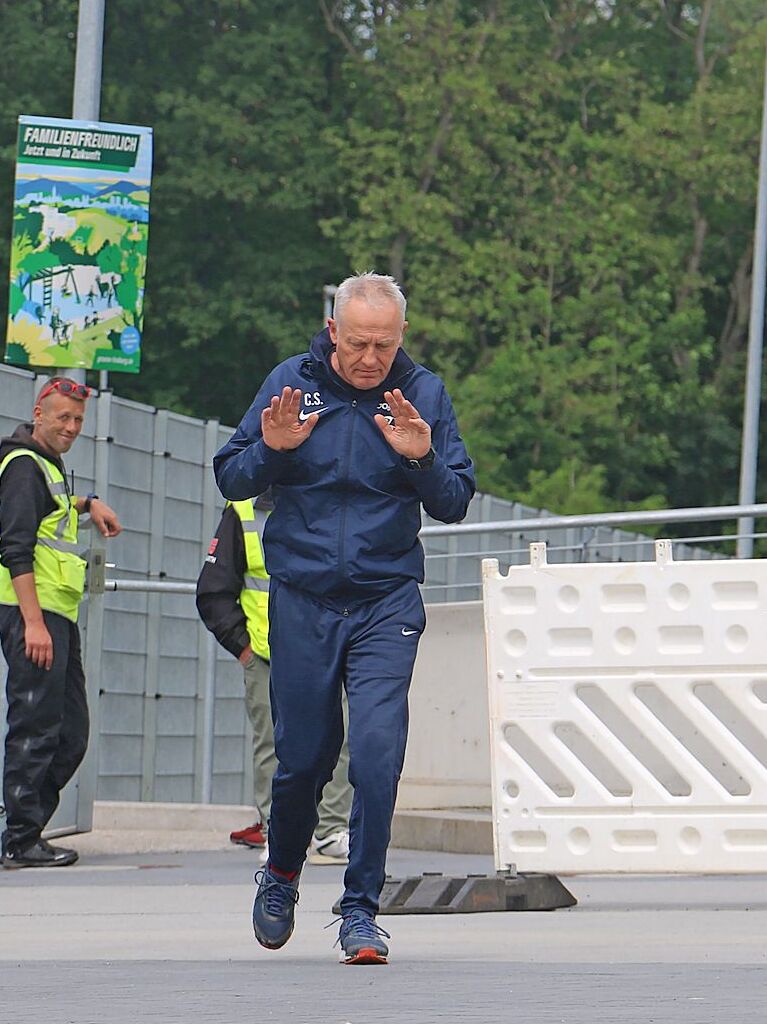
(361, 924)
(275, 894)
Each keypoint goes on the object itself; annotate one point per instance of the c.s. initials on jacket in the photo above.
(347, 506)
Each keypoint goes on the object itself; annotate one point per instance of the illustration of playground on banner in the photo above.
(79, 245)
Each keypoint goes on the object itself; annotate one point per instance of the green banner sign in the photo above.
(77, 147)
(79, 245)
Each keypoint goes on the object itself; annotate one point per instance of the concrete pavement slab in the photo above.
(426, 991)
(122, 939)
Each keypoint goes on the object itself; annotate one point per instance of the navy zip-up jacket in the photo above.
(346, 505)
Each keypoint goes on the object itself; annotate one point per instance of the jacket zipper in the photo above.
(345, 479)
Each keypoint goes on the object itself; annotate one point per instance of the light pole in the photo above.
(86, 96)
(328, 294)
(750, 445)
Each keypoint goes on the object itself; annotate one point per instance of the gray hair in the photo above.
(375, 289)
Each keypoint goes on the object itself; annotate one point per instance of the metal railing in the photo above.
(455, 589)
(542, 523)
(452, 560)
(661, 517)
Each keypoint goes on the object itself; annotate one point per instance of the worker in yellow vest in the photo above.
(42, 578)
(233, 602)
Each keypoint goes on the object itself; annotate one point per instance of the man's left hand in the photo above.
(409, 435)
(104, 518)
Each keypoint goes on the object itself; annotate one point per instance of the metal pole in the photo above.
(86, 97)
(86, 100)
(658, 517)
(206, 646)
(209, 719)
(87, 777)
(328, 294)
(750, 444)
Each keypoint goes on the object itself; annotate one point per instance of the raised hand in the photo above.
(281, 428)
(409, 436)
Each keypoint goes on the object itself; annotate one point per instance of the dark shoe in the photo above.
(362, 940)
(40, 855)
(252, 836)
(274, 908)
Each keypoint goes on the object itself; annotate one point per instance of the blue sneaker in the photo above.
(362, 940)
(274, 908)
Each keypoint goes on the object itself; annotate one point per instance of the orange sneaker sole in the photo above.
(366, 956)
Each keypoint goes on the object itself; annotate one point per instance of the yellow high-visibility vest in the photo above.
(254, 598)
(58, 569)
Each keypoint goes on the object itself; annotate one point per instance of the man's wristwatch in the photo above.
(425, 462)
(88, 499)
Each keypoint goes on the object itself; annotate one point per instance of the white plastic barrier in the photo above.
(628, 710)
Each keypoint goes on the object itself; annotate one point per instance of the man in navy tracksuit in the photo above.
(353, 437)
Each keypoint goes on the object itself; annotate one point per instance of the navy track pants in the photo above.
(370, 649)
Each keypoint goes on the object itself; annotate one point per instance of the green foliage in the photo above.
(572, 489)
(565, 188)
(237, 260)
(109, 259)
(35, 261)
(568, 226)
(16, 300)
(127, 296)
(21, 247)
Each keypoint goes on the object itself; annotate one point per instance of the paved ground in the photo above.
(165, 937)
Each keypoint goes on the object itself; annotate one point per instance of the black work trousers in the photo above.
(47, 726)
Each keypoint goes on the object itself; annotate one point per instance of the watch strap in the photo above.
(425, 462)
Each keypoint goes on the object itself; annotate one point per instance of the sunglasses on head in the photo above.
(66, 387)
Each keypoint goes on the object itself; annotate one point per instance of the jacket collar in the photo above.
(22, 438)
(321, 349)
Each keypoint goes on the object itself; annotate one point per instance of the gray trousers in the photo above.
(336, 802)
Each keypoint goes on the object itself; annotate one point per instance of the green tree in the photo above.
(238, 92)
(35, 78)
(565, 188)
(546, 182)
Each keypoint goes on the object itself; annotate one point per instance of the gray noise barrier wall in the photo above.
(169, 721)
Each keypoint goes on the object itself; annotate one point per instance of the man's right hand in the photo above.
(281, 427)
(246, 655)
(38, 644)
